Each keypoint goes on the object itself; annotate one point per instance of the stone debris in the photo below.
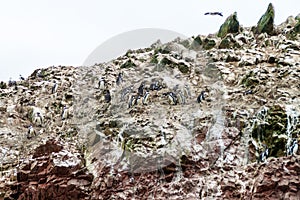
(182, 120)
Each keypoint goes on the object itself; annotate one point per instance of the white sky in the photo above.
(42, 33)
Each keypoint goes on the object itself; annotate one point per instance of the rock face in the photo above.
(183, 120)
(266, 22)
(231, 25)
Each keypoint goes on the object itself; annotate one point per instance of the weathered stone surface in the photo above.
(231, 25)
(266, 22)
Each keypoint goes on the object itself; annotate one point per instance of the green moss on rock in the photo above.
(183, 68)
(128, 64)
(196, 44)
(266, 22)
(209, 43)
(231, 25)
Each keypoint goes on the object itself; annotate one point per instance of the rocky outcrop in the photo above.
(185, 120)
(266, 22)
(231, 25)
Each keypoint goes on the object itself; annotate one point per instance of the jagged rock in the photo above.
(231, 25)
(209, 43)
(266, 22)
(197, 43)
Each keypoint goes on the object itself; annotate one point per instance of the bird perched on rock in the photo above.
(201, 97)
(38, 120)
(214, 13)
(132, 101)
(292, 150)
(263, 155)
(141, 89)
(146, 97)
(64, 114)
(54, 88)
(107, 96)
(30, 132)
(22, 78)
(155, 86)
(101, 83)
(119, 79)
(172, 98)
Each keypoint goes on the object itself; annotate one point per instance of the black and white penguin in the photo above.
(107, 96)
(292, 150)
(172, 98)
(11, 83)
(141, 89)
(101, 83)
(54, 88)
(30, 132)
(119, 79)
(132, 101)
(64, 114)
(139, 100)
(146, 97)
(155, 86)
(263, 155)
(201, 97)
(22, 78)
(248, 92)
(38, 119)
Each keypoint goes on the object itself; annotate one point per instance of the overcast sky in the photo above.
(42, 33)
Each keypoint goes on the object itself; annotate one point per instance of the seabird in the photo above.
(263, 156)
(141, 89)
(172, 98)
(292, 150)
(107, 96)
(54, 88)
(201, 97)
(213, 13)
(30, 132)
(38, 119)
(146, 97)
(132, 101)
(22, 78)
(155, 86)
(119, 79)
(64, 114)
(101, 83)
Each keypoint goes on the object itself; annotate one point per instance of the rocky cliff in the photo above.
(209, 117)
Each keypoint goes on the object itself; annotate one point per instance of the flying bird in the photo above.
(214, 13)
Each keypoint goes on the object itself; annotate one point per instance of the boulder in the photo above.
(231, 25)
(266, 22)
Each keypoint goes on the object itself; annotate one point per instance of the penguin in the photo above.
(30, 132)
(155, 86)
(22, 78)
(131, 101)
(101, 83)
(187, 91)
(54, 88)
(292, 150)
(181, 98)
(248, 92)
(119, 79)
(11, 83)
(201, 97)
(38, 119)
(263, 156)
(141, 89)
(64, 114)
(107, 96)
(172, 98)
(139, 100)
(146, 97)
